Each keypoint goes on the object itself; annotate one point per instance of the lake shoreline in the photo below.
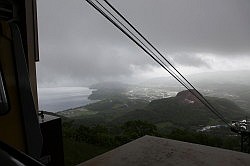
(56, 99)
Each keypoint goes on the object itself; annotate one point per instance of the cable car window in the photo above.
(4, 106)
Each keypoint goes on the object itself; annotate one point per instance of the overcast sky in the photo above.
(78, 46)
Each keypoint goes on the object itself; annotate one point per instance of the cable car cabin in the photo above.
(22, 136)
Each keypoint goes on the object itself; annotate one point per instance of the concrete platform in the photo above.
(155, 151)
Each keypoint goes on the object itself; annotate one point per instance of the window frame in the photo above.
(4, 102)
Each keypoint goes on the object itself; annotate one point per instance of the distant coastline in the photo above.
(62, 98)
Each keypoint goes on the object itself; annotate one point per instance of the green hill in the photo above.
(107, 110)
(184, 110)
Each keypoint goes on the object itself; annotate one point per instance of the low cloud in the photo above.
(186, 59)
(78, 45)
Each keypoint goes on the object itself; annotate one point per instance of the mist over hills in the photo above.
(184, 110)
(125, 112)
(110, 85)
(240, 77)
(223, 77)
(232, 85)
(153, 102)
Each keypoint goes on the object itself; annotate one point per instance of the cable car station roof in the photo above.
(155, 151)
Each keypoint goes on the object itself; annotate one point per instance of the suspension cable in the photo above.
(116, 11)
(197, 94)
(170, 70)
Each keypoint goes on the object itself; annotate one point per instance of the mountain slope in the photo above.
(183, 110)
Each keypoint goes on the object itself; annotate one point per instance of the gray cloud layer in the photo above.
(77, 43)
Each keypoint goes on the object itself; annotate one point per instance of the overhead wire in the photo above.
(147, 41)
(204, 102)
(106, 16)
(169, 70)
(128, 22)
(146, 49)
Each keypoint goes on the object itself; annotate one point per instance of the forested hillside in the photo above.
(116, 120)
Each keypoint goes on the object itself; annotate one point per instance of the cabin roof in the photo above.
(149, 150)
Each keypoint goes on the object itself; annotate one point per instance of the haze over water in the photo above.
(62, 98)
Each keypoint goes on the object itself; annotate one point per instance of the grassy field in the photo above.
(76, 112)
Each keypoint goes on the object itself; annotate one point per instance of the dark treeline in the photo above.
(113, 136)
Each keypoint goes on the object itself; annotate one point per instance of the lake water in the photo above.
(63, 98)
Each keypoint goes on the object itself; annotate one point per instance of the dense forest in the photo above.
(116, 119)
(84, 142)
